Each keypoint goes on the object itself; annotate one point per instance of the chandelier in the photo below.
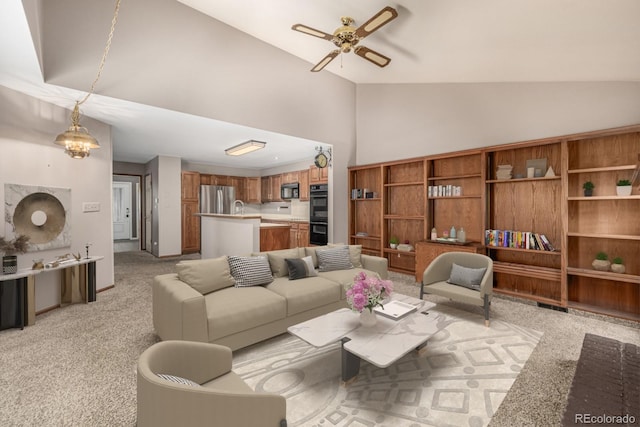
(77, 140)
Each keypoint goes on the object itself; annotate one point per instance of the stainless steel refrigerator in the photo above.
(217, 199)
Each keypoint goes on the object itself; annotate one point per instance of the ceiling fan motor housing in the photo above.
(345, 37)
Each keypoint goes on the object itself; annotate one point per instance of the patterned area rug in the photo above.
(460, 379)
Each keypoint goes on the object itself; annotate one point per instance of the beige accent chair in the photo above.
(221, 399)
(434, 279)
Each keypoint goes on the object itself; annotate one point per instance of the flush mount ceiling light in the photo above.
(245, 147)
(77, 140)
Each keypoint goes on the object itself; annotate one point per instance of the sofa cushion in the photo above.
(345, 277)
(233, 310)
(250, 271)
(277, 260)
(205, 275)
(354, 253)
(334, 259)
(468, 277)
(307, 294)
(311, 251)
(299, 268)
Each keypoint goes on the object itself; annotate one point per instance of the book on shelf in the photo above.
(517, 240)
(395, 309)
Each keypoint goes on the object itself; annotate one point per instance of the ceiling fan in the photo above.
(347, 37)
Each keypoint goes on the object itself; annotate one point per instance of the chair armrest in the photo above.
(179, 311)
(375, 263)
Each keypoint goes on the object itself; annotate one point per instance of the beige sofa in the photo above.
(201, 303)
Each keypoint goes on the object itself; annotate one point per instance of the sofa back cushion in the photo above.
(206, 275)
(312, 252)
(277, 260)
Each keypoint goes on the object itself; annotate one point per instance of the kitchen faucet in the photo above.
(235, 207)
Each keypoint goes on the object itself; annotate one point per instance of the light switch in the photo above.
(91, 207)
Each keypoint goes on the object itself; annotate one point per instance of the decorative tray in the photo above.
(450, 241)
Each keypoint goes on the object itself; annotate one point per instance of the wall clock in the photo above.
(321, 160)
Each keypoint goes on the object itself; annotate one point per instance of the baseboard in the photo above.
(553, 307)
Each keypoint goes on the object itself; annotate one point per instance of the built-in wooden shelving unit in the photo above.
(577, 226)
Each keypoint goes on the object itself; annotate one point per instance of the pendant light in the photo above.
(77, 140)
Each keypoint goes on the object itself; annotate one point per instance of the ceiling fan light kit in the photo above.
(245, 148)
(347, 37)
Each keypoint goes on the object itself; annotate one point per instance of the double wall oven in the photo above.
(319, 214)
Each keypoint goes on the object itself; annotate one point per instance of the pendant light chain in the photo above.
(104, 55)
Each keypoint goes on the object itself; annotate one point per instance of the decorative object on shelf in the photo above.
(538, 166)
(77, 140)
(434, 233)
(366, 293)
(11, 247)
(405, 247)
(462, 235)
(588, 188)
(38, 264)
(393, 242)
(623, 187)
(504, 172)
(550, 172)
(531, 172)
(452, 232)
(617, 265)
(601, 263)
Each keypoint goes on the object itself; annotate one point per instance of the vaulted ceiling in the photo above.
(431, 41)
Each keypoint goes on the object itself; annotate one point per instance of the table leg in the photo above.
(350, 364)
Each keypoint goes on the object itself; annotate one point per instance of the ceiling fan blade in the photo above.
(323, 63)
(312, 31)
(373, 56)
(378, 20)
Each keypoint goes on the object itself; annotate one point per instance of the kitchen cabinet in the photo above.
(290, 177)
(189, 204)
(318, 175)
(252, 190)
(238, 183)
(303, 179)
(274, 237)
(270, 188)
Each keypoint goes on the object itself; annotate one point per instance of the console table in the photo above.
(78, 284)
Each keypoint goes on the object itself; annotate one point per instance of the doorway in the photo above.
(126, 213)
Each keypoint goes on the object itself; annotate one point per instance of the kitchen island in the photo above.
(222, 234)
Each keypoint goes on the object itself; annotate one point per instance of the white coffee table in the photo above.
(380, 345)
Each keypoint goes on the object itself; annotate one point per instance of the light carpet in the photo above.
(461, 378)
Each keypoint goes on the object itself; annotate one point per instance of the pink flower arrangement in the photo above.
(367, 292)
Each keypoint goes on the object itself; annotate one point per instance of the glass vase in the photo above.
(368, 318)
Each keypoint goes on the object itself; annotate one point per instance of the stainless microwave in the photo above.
(290, 191)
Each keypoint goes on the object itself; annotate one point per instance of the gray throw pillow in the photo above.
(334, 259)
(468, 277)
(250, 271)
(299, 268)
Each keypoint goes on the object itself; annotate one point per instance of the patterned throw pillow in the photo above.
(299, 268)
(468, 277)
(250, 271)
(178, 380)
(334, 259)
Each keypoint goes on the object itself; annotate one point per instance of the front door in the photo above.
(121, 210)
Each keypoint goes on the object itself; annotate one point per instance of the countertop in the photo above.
(250, 216)
(279, 218)
(273, 225)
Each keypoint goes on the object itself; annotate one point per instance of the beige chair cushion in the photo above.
(228, 383)
(206, 275)
(234, 310)
(305, 294)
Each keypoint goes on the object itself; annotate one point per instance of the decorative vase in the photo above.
(623, 190)
(618, 268)
(393, 245)
(9, 264)
(601, 264)
(368, 318)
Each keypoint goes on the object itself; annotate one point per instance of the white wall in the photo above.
(169, 206)
(28, 156)
(403, 121)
